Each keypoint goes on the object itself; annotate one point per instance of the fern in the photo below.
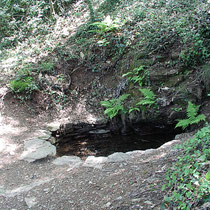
(106, 104)
(192, 116)
(145, 102)
(198, 119)
(123, 97)
(148, 94)
(192, 110)
(134, 109)
(149, 98)
(138, 75)
(114, 106)
(127, 74)
(106, 26)
(183, 123)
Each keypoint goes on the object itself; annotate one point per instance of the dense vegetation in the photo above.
(31, 30)
(36, 36)
(188, 178)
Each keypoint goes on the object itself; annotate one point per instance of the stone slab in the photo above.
(118, 157)
(68, 160)
(95, 162)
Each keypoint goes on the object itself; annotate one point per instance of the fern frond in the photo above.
(123, 97)
(198, 119)
(134, 109)
(126, 74)
(140, 68)
(193, 117)
(135, 79)
(145, 102)
(112, 101)
(98, 24)
(114, 106)
(192, 110)
(108, 111)
(106, 104)
(149, 94)
(183, 123)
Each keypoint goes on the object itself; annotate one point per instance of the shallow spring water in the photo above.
(107, 144)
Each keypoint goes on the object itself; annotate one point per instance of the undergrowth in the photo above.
(188, 178)
(67, 32)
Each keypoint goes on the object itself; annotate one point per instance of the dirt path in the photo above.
(131, 184)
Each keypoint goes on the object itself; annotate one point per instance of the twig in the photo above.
(74, 70)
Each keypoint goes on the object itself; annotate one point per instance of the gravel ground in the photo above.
(131, 184)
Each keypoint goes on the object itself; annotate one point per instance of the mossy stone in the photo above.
(174, 81)
(162, 74)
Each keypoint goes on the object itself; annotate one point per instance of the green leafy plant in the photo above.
(107, 25)
(23, 85)
(196, 53)
(115, 106)
(139, 75)
(149, 100)
(192, 116)
(187, 180)
(208, 175)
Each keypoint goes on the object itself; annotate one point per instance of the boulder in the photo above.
(43, 134)
(35, 149)
(53, 127)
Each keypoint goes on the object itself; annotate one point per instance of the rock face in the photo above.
(173, 84)
(81, 129)
(78, 131)
(35, 149)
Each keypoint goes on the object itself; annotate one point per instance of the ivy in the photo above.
(187, 181)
